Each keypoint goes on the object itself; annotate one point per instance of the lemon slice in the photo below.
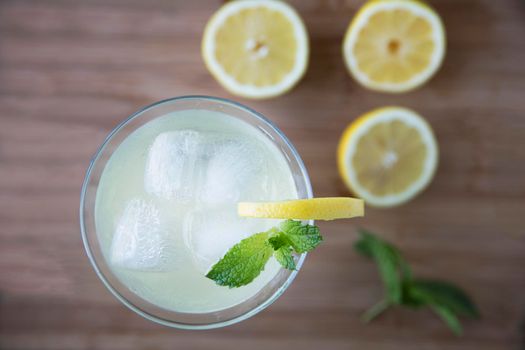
(387, 156)
(256, 48)
(394, 45)
(304, 209)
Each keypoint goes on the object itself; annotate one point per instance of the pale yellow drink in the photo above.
(166, 206)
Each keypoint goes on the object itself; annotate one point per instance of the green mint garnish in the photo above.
(245, 260)
(285, 258)
(278, 240)
(445, 299)
(302, 238)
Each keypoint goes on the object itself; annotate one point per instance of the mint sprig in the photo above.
(401, 288)
(247, 259)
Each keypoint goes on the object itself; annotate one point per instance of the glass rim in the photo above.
(87, 246)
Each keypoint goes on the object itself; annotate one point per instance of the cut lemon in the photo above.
(394, 45)
(256, 48)
(330, 208)
(387, 156)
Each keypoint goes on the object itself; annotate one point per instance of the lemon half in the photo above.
(388, 156)
(394, 45)
(256, 48)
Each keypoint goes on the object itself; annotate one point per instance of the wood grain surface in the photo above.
(71, 70)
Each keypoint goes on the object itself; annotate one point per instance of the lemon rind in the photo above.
(328, 208)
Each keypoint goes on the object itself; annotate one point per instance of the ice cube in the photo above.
(208, 235)
(236, 171)
(196, 166)
(140, 241)
(174, 165)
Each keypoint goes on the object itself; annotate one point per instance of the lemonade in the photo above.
(166, 206)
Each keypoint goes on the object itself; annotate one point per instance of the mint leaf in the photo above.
(407, 297)
(404, 268)
(282, 250)
(441, 293)
(387, 265)
(278, 241)
(284, 257)
(449, 318)
(303, 238)
(388, 261)
(243, 262)
(368, 241)
(363, 247)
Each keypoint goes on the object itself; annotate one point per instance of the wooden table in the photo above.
(71, 70)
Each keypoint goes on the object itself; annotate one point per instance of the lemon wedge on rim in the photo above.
(329, 208)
